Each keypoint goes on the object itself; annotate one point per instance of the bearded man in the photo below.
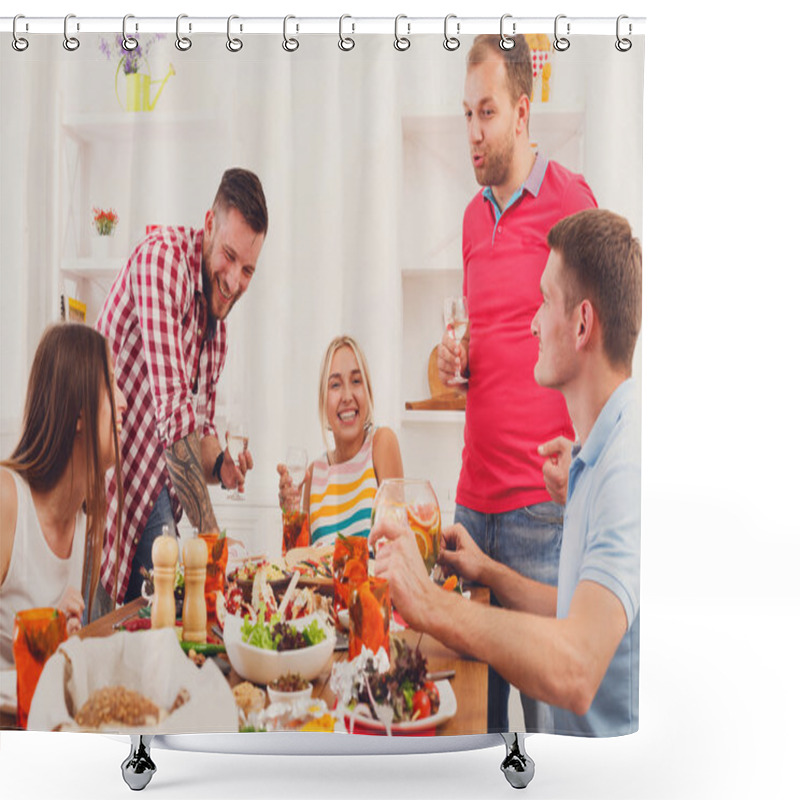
(164, 319)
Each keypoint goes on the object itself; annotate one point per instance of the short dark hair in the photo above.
(519, 70)
(603, 263)
(241, 189)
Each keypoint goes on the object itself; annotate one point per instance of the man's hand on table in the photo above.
(460, 555)
(71, 604)
(398, 559)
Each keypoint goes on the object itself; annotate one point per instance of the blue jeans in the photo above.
(160, 516)
(528, 540)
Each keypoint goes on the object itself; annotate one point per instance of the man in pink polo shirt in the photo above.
(511, 509)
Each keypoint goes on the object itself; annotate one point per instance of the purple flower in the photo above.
(130, 60)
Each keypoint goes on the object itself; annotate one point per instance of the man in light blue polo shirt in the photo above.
(575, 647)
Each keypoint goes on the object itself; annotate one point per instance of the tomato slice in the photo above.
(421, 704)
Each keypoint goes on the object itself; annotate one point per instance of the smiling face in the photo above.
(555, 327)
(230, 252)
(347, 402)
(493, 121)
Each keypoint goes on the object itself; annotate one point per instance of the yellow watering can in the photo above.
(137, 89)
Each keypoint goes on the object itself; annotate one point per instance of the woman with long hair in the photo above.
(341, 484)
(53, 486)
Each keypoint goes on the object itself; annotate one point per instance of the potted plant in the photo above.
(104, 223)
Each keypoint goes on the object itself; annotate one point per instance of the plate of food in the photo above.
(315, 564)
(378, 698)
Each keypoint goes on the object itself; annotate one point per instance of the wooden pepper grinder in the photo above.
(195, 555)
(165, 561)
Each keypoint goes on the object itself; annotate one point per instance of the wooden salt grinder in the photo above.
(195, 556)
(165, 560)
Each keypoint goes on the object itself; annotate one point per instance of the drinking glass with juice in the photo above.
(350, 568)
(370, 611)
(217, 563)
(295, 530)
(37, 634)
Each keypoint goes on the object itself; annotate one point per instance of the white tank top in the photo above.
(36, 577)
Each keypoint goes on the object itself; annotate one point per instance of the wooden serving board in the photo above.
(443, 397)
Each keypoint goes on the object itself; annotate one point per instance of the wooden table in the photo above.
(469, 684)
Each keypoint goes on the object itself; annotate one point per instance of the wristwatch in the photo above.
(217, 471)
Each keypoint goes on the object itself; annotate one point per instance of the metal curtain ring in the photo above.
(128, 42)
(561, 43)
(290, 44)
(71, 43)
(233, 44)
(507, 42)
(401, 42)
(183, 43)
(623, 45)
(346, 42)
(451, 42)
(18, 42)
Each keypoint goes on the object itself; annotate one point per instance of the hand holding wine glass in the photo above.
(237, 440)
(456, 320)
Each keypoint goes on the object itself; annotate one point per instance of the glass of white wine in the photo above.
(236, 439)
(296, 463)
(456, 320)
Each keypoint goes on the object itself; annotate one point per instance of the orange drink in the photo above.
(425, 521)
(216, 564)
(350, 568)
(370, 612)
(37, 634)
(295, 530)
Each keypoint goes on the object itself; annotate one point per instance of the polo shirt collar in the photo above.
(590, 451)
(532, 184)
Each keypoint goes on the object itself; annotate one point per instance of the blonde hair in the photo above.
(336, 344)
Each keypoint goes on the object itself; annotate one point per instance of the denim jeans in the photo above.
(160, 516)
(528, 540)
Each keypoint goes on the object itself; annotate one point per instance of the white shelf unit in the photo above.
(114, 160)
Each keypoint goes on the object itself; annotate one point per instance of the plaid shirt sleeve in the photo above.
(163, 293)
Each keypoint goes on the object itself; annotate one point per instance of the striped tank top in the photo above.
(342, 495)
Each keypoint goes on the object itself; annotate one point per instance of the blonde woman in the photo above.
(53, 487)
(340, 485)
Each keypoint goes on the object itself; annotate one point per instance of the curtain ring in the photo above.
(18, 42)
(507, 42)
(561, 43)
(451, 43)
(401, 42)
(183, 43)
(346, 42)
(623, 45)
(128, 42)
(71, 43)
(233, 44)
(290, 44)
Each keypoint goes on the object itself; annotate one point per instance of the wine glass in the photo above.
(456, 319)
(296, 463)
(236, 439)
(412, 502)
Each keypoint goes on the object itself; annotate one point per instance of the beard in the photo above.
(496, 164)
(214, 314)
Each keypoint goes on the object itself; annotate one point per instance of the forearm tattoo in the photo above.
(186, 471)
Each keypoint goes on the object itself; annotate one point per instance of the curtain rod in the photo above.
(349, 25)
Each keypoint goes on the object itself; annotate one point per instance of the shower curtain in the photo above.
(384, 168)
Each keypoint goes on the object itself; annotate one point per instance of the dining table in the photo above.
(469, 680)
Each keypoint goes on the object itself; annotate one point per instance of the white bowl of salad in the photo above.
(262, 650)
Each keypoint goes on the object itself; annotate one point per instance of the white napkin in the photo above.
(149, 662)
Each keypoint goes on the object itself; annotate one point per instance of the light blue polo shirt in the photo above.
(602, 535)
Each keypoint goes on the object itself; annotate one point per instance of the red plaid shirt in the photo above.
(154, 319)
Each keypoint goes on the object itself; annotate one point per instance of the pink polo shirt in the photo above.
(508, 414)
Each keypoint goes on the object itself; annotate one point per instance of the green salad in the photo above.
(279, 635)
